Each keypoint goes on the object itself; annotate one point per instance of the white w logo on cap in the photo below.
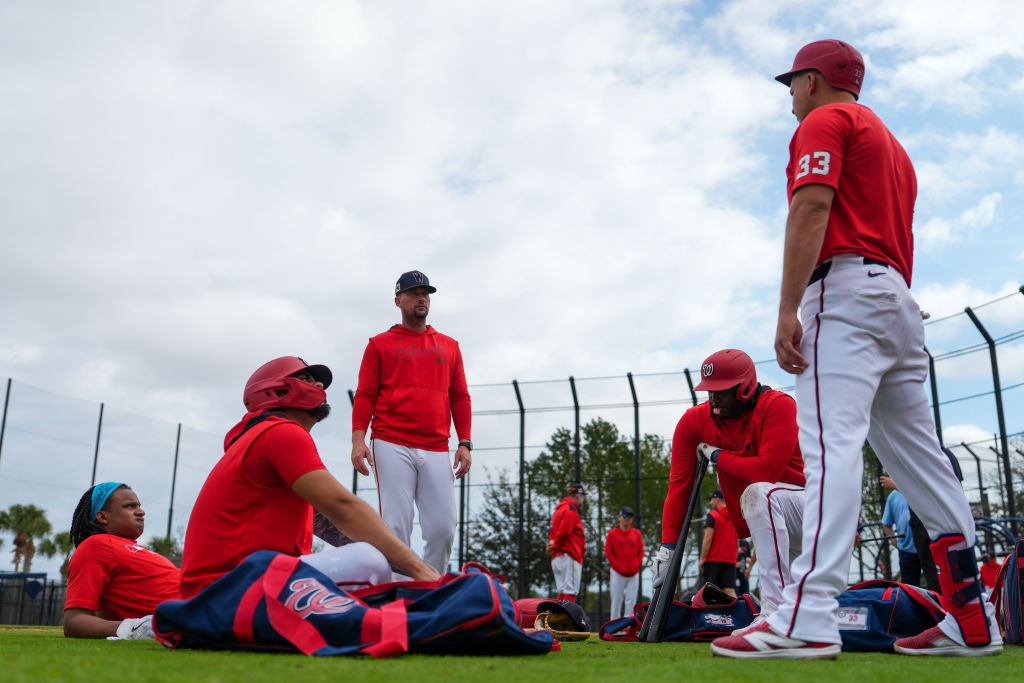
(707, 369)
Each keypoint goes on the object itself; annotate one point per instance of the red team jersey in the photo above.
(760, 445)
(247, 503)
(846, 146)
(725, 544)
(567, 531)
(413, 385)
(119, 577)
(624, 550)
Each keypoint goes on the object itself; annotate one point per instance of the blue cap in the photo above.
(412, 280)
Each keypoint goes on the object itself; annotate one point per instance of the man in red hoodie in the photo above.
(566, 543)
(261, 494)
(412, 386)
(749, 432)
(624, 548)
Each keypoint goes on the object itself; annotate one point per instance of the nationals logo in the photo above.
(309, 596)
(707, 369)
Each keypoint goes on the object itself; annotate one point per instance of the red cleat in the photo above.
(761, 642)
(937, 644)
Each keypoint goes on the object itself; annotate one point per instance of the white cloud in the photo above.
(939, 230)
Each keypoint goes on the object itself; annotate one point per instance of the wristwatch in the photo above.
(467, 444)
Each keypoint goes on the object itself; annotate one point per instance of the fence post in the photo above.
(935, 396)
(886, 554)
(576, 438)
(174, 481)
(355, 473)
(689, 383)
(3, 423)
(96, 452)
(1011, 502)
(637, 510)
(522, 490)
(981, 484)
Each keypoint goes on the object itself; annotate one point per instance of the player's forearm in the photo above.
(357, 520)
(805, 233)
(705, 544)
(80, 623)
(358, 436)
(462, 416)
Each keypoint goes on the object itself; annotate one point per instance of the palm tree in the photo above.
(27, 522)
(167, 546)
(59, 544)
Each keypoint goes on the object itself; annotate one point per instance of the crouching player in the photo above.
(109, 572)
(748, 432)
(262, 492)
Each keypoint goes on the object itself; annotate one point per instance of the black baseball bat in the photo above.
(653, 628)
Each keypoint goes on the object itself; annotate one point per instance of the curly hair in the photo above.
(83, 524)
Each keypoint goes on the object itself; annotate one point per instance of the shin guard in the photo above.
(962, 595)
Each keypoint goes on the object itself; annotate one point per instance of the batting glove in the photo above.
(708, 452)
(661, 561)
(140, 628)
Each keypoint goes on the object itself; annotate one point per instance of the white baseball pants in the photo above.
(567, 573)
(774, 514)
(412, 475)
(351, 566)
(623, 593)
(864, 340)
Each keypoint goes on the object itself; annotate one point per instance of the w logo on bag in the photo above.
(309, 596)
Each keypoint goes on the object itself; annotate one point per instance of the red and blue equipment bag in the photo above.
(874, 614)
(710, 613)
(276, 602)
(1008, 596)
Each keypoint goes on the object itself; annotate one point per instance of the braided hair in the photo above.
(83, 522)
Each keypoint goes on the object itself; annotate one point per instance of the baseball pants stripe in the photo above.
(567, 573)
(622, 590)
(412, 476)
(774, 514)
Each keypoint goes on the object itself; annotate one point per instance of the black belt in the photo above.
(822, 270)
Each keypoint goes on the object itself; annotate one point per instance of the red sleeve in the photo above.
(281, 455)
(562, 526)
(680, 479)
(609, 548)
(818, 146)
(367, 390)
(90, 570)
(776, 443)
(458, 399)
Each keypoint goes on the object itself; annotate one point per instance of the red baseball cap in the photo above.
(839, 62)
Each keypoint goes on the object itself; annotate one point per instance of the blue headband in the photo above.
(100, 493)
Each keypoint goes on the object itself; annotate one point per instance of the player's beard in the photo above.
(320, 412)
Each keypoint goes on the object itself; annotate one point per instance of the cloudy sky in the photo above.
(189, 189)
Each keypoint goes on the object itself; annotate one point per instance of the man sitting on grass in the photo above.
(111, 573)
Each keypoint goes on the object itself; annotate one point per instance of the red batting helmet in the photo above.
(264, 389)
(729, 368)
(839, 62)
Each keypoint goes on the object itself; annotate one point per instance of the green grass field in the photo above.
(32, 655)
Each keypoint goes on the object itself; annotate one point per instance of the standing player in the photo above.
(260, 495)
(624, 548)
(720, 546)
(858, 354)
(566, 543)
(412, 385)
(749, 432)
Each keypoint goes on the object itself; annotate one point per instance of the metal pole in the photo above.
(174, 481)
(981, 484)
(462, 523)
(689, 383)
(637, 509)
(886, 554)
(935, 396)
(3, 423)
(1011, 503)
(96, 452)
(576, 438)
(355, 474)
(600, 574)
(994, 450)
(522, 490)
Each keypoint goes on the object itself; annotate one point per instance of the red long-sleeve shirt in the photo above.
(624, 550)
(412, 384)
(567, 531)
(760, 445)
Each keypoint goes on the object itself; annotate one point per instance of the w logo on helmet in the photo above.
(309, 596)
(707, 369)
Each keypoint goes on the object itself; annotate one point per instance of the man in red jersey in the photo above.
(261, 494)
(748, 432)
(624, 548)
(857, 349)
(719, 547)
(566, 543)
(412, 386)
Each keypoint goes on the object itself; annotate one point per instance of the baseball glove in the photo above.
(561, 626)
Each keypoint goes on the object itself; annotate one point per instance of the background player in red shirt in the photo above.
(109, 572)
(749, 432)
(261, 494)
(857, 349)
(719, 547)
(566, 543)
(413, 386)
(624, 548)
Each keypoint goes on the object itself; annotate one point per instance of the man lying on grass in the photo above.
(111, 573)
